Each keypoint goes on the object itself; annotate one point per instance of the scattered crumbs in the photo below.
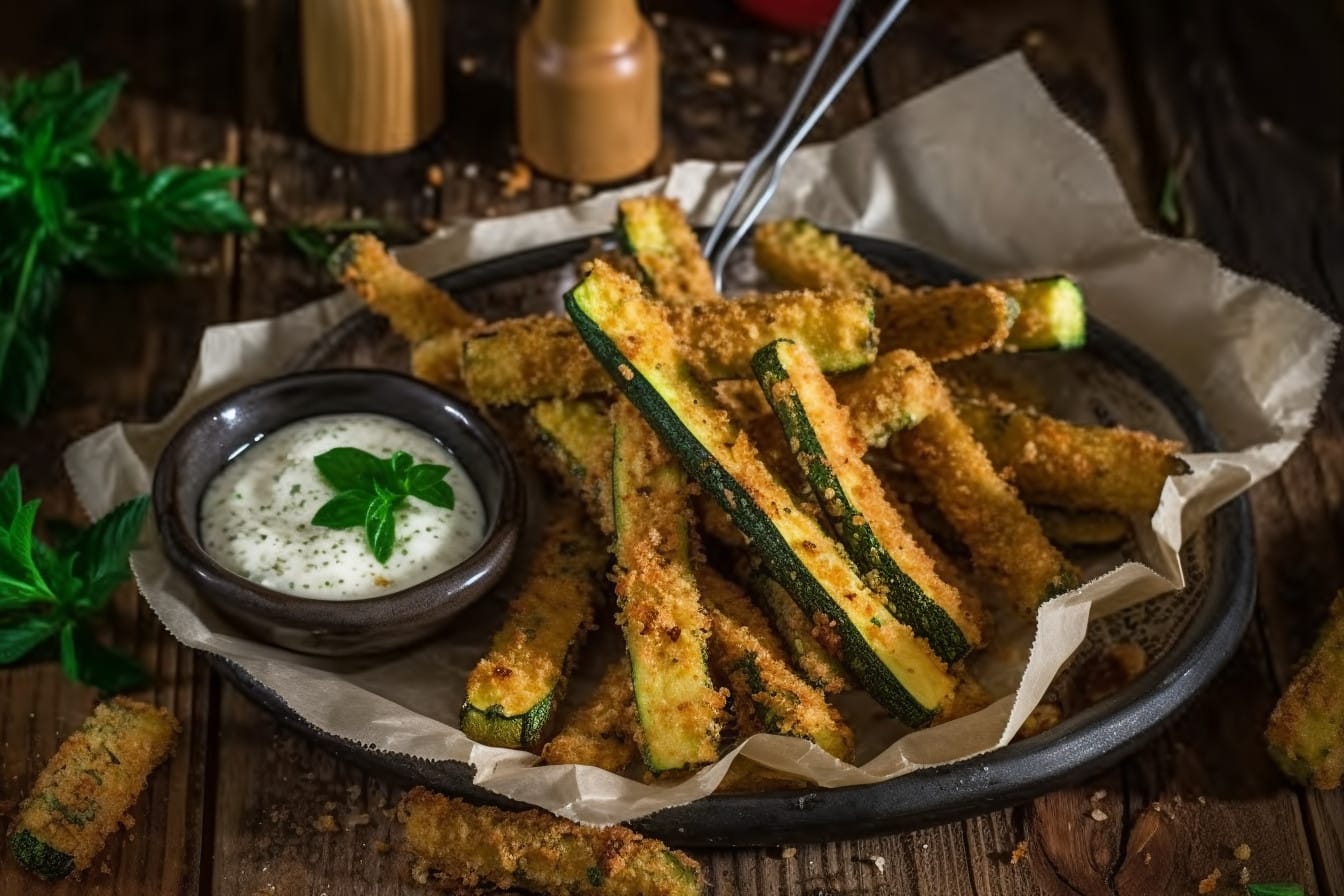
(879, 863)
(434, 175)
(326, 824)
(923, 846)
(1147, 858)
(659, 19)
(1244, 876)
(717, 53)
(1019, 852)
(471, 170)
(1201, 800)
(1242, 852)
(1098, 815)
(420, 872)
(1210, 883)
(516, 180)
(357, 213)
(717, 77)
(579, 191)
(1097, 796)
(788, 852)
(328, 806)
(128, 822)
(382, 846)
(1033, 39)
(467, 65)
(353, 791)
(107, 869)
(353, 821)
(258, 216)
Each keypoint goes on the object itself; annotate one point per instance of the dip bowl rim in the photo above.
(336, 626)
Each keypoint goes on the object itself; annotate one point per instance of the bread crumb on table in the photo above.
(1019, 852)
(1242, 852)
(1210, 883)
(326, 824)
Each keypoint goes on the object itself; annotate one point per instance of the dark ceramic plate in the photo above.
(1220, 561)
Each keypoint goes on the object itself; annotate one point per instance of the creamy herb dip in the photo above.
(256, 516)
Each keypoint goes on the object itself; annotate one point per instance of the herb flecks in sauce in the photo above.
(370, 489)
(257, 516)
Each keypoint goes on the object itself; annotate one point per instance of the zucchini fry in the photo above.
(654, 230)
(416, 308)
(527, 359)
(1006, 543)
(830, 452)
(1079, 467)
(1306, 729)
(1048, 313)
(749, 656)
(666, 628)
(634, 340)
(575, 436)
(476, 847)
(513, 692)
(817, 665)
(1081, 528)
(895, 393)
(601, 732)
(89, 785)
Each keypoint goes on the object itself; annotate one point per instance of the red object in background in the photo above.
(796, 15)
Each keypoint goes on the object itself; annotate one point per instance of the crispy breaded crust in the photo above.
(416, 308)
(1081, 528)
(1007, 545)
(817, 664)
(438, 359)
(601, 732)
(89, 785)
(723, 595)
(1306, 729)
(575, 437)
(481, 848)
(895, 393)
(946, 322)
(531, 654)
(656, 232)
(526, 359)
(1080, 467)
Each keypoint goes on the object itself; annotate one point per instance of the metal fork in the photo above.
(720, 243)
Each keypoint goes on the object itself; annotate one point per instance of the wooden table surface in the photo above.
(1246, 99)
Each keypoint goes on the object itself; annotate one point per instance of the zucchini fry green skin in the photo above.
(815, 663)
(89, 785)
(601, 732)
(830, 454)
(1050, 312)
(523, 360)
(654, 230)
(1079, 467)
(633, 339)
(680, 713)
(479, 847)
(1306, 729)
(575, 440)
(514, 691)
(748, 654)
(1006, 543)
(1081, 528)
(416, 308)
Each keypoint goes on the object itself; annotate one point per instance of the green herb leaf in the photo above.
(11, 496)
(380, 528)
(400, 463)
(23, 371)
(19, 638)
(349, 469)
(86, 112)
(440, 494)
(1274, 890)
(84, 659)
(349, 508)
(102, 552)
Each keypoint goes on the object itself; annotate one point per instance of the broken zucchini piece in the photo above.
(601, 732)
(635, 342)
(515, 689)
(654, 230)
(1052, 314)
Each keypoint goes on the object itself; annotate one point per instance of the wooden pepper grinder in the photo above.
(588, 90)
(372, 72)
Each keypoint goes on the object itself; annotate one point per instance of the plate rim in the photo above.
(1083, 744)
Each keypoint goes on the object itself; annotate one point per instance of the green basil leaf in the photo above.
(440, 494)
(346, 469)
(17, 593)
(349, 508)
(380, 529)
(399, 463)
(422, 475)
(105, 546)
(57, 569)
(11, 183)
(214, 211)
(86, 113)
(19, 638)
(84, 659)
(16, 546)
(1274, 890)
(23, 372)
(11, 496)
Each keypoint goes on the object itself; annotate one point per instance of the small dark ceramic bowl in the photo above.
(207, 441)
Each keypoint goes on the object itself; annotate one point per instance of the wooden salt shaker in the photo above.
(588, 90)
(372, 72)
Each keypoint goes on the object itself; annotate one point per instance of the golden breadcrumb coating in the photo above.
(946, 322)
(600, 732)
(416, 308)
(657, 233)
(1081, 528)
(1306, 729)
(895, 393)
(575, 441)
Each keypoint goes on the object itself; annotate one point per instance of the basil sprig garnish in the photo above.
(369, 490)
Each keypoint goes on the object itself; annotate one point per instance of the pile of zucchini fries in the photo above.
(758, 478)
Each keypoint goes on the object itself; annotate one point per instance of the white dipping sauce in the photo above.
(256, 515)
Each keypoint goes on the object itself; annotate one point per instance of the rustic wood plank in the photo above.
(123, 351)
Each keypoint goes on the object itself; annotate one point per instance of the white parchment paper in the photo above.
(983, 171)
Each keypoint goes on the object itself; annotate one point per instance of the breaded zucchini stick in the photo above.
(85, 790)
(1047, 313)
(817, 664)
(895, 393)
(1079, 467)
(475, 847)
(1306, 729)
(1081, 528)
(515, 689)
(416, 308)
(749, 656)
(575, 437)
(666, 628)
(654, 230)
(1006, 543)
(601, 732)
(523, 360)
